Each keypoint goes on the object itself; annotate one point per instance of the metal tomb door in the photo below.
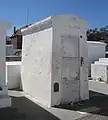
(70, 69)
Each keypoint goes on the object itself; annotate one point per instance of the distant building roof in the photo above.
(18, 31)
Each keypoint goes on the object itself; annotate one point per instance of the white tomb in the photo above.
(54, 60)
(96, 50)
(99, 70)
(5, 101)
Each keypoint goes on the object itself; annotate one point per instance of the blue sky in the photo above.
(95, 12)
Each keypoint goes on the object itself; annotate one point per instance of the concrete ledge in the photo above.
(97, 86)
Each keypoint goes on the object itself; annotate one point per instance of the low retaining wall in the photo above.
(100, 87)
(13, 76)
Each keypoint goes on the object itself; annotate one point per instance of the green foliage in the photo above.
(98, 34)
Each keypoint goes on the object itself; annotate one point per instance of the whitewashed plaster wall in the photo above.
(13, 74)
(69, 25)
(36, 65)
(96, 50)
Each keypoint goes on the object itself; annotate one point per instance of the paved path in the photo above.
(24, 109)
(94, 117)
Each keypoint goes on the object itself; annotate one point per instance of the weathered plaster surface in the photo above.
(42, 62)
(36, 65)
